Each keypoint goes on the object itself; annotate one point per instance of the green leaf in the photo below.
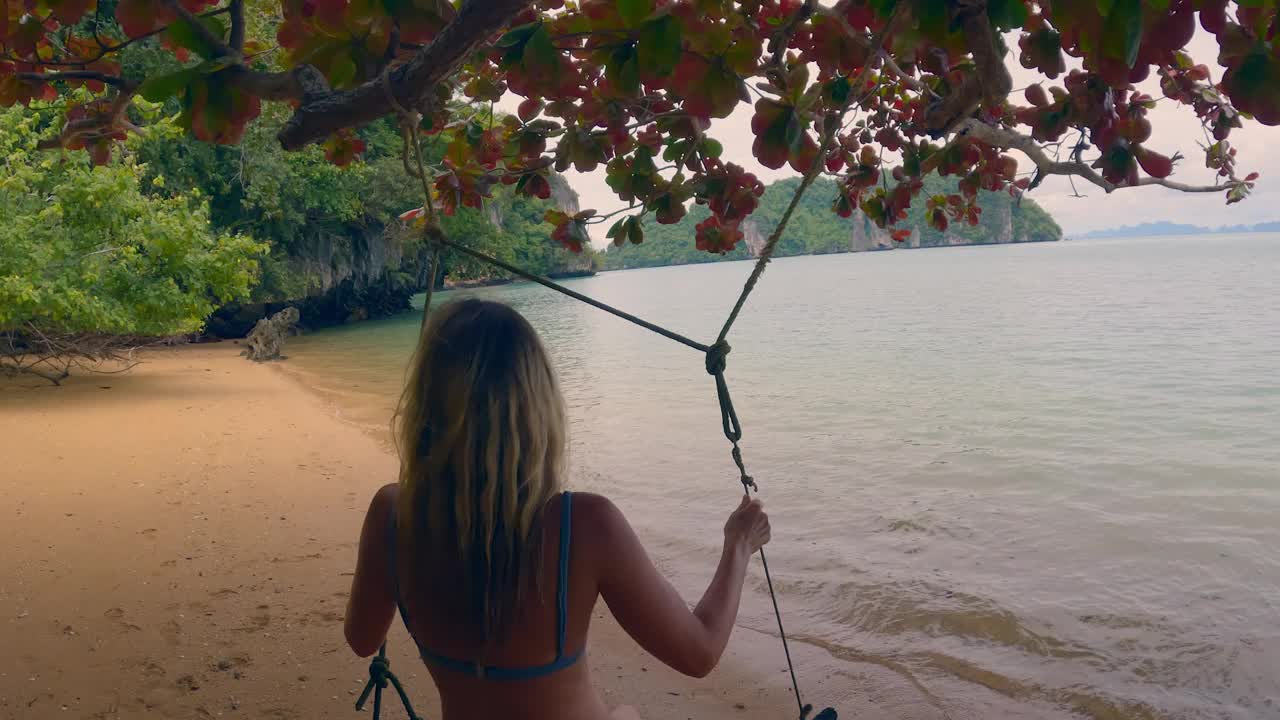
(184, 34)
(517, 36)
(342, 73)
(617, 228)
(623, 70)
(633, 12)
(1008, 14)
(540, 54)
(1122, 35)
(1158, 5)
(659, 46)
(161, 87)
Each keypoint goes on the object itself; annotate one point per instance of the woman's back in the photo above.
(495, 570)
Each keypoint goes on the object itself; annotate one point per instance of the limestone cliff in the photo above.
(357, 272)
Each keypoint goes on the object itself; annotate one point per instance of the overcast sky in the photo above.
(1175, 129)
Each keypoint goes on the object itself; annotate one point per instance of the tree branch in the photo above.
(82, 75)
(103, 51)
(237, 25)
(113, 119)
(323, 114)
(778, 43)
(991, 80)
(1010, 140)
(213, 41)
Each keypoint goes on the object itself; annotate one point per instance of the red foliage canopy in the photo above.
(877, 93)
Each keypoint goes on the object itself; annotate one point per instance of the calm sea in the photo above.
(1034, 481)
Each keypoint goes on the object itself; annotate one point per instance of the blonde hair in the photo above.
(481, 434)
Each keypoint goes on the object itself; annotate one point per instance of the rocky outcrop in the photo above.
(333, 278)
(565, 198)
(753, 238)
(266, 342)
(866, 236)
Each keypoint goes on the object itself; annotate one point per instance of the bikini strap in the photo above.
(393, 541)
(562, 581)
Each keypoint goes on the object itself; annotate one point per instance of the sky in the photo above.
(1175, 129)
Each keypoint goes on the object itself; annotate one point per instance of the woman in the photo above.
(495, 568)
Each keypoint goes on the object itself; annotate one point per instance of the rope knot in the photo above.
(433, 236)
(717, 357)
(379, 670)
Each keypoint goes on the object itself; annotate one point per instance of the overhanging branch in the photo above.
(1045, 165)
(73, 75)
(411, 83)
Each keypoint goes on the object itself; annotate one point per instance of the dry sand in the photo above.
(178, 543)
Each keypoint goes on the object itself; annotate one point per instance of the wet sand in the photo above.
(179, 542)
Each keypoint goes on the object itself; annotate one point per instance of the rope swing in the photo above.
(715, 357)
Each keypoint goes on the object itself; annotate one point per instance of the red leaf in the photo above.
(138, 17)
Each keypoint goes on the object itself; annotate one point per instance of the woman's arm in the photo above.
(650, 609)
(372, 605)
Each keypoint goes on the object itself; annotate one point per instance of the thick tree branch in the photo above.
(778, 43)
(991, 80)
(1045, 165)
(411, 83)
(80, 75)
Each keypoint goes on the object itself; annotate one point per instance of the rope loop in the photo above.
(748, 482)
(406, 115)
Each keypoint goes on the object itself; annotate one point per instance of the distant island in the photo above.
(1170, 228)
(815, 229)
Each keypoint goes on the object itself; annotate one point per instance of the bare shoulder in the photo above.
(612, 542)
(596, 515)
(383, 500)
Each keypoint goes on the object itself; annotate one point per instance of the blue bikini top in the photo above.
(468, 667)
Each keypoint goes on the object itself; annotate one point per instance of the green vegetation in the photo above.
(320, 218)
(85, 252)
(815, 230)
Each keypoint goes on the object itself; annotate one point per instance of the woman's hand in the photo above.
(748, 526)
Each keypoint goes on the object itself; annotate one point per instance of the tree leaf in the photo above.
(184, 34)
(634, 12)
(342, 71)
(1007, 14)
(161, 87)
(540, 54)
(1122, 35)
(659, 46)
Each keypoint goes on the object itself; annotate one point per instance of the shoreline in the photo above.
(753, 258)
(183, 541)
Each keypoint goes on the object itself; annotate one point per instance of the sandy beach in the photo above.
(179, 541)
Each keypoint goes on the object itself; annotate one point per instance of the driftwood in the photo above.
(266, 340)
(53, 356)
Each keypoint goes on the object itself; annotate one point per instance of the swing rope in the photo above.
(716, 359)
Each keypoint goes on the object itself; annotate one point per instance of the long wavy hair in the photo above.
(481, 431)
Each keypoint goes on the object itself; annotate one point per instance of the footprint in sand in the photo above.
(171, 631)
(323, 617)
(188, 683)
(117, 614)
(257, 623)
(231, 663)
